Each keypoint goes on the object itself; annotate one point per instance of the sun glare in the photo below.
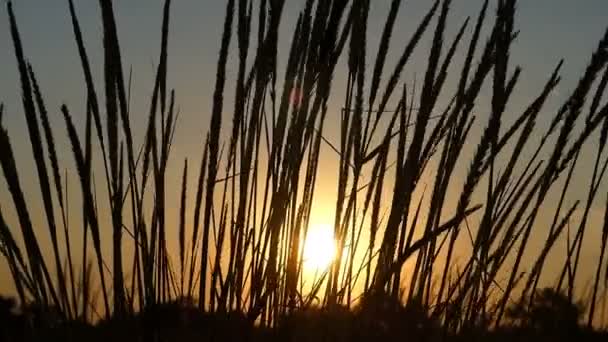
(319, 248)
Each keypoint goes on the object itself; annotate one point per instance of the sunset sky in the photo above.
(549, 30)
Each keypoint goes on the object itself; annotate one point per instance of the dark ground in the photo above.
(369, 322)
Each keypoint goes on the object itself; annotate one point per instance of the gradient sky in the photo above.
(550, 30)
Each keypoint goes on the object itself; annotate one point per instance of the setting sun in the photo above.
(319, 248)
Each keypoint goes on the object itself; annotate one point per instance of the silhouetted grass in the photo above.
(238, 272)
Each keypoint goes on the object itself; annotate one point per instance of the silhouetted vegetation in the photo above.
(237, 273)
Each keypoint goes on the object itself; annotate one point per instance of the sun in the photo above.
(319, 248)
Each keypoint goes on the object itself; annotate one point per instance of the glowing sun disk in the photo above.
(319, 248)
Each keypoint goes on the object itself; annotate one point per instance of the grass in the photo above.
(239, 258)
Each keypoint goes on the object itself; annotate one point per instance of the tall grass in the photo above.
(253, 198)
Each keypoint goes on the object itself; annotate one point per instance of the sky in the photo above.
(549, 30)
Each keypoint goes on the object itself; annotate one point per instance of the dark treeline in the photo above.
(551, 318)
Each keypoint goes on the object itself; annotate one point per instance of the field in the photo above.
(249, 261)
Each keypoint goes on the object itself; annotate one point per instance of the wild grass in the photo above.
(241, 251)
